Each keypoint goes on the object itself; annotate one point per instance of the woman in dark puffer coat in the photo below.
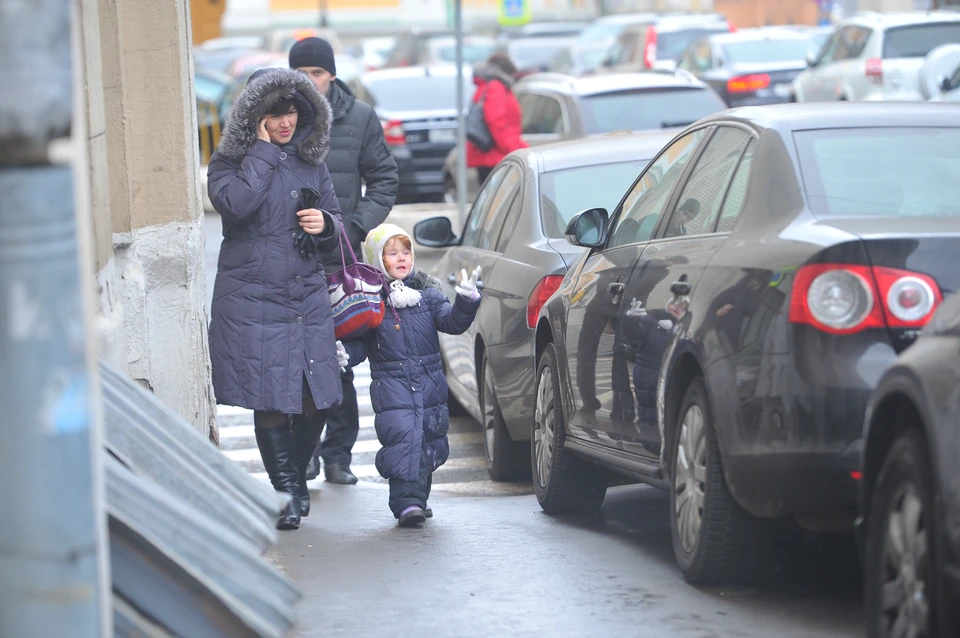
(408, 389)
(272, 342)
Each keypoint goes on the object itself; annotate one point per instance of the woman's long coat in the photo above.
(271, 323)
(408, 388)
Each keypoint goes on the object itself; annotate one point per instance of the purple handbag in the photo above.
(355, 295)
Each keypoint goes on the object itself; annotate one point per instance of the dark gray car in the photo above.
(515, 232)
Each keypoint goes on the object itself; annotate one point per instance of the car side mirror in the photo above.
(435, 232)
(811, 59)
(588, 228)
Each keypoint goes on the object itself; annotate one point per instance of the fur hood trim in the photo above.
(419, 280)
(488, 72)
(259, 96)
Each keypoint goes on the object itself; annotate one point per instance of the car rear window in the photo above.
(565, 193)
(769, 51)
(426, 93)
(670, 44)
(444, 49)
(881, 172)
(917, 40)
(645, 109)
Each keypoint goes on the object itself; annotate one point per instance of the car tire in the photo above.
(507, 460)
(715, 541)
(902, 505)
(564, 483)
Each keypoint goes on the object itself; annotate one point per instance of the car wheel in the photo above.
(900, 578)
(564, 483)
(714, 539)
(506, 459)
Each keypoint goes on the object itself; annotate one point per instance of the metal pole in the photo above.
(461, 119)
(53, 567)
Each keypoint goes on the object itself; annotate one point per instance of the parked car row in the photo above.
(739, 328)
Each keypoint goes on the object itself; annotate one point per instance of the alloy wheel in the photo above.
(905, 559)
(544, 435)
(489, 412)
(690, 476)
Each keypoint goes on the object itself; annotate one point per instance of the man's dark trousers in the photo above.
(343, 426)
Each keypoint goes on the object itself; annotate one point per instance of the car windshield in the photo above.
(671, 44)
(209, 89)
(475, 50)
(565, 193)
(600, 31)
(769, 51)
(881, 172)
(647, 109)
(917, 40)
(534, 53)
(423, 93)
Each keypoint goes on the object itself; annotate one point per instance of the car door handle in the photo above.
(680, 288)
(615, 288)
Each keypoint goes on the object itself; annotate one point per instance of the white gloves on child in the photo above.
(342, 357)
(468, 285)
(636, 309)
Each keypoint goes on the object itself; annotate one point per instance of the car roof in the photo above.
(609, 82)
(438, 70)
(900, 18)
(786, 118)
(764, 33)
(611, 148)
(626, 18)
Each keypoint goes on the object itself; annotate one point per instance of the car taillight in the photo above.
(543, 291)
(748, 83)
(650, 47)
(393, 132)
(843, 298)
(874, 71)
(733, 27)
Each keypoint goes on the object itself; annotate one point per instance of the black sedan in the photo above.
(910, 498)
(723, 333)
(515, 232)
(417, 107)
(751, 67)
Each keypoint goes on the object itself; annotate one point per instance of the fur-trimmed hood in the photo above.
(419, 280)
(260, 95)
(486, 72)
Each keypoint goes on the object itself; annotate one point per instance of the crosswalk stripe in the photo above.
(370, 471)
(244, 431)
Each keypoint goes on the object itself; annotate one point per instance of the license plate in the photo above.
(782, 90)
(443, 136)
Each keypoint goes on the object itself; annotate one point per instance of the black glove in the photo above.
(308, 244)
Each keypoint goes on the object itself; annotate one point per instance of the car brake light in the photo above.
(748, 83)
(874, 70)
(843, 299)
(393, 132)
(733, 27)
(650, 47)
(541, 293)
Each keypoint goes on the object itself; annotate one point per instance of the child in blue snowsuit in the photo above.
(408, 389)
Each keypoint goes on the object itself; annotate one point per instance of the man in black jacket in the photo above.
(358, 154)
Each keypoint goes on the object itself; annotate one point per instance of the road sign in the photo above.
(512, 13)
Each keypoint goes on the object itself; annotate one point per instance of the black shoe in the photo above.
(427, 512)
(276, 450)
(306, 434)
(313, 468)
(339, 473)
(413, 517)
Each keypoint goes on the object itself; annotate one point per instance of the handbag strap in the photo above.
(343, 253)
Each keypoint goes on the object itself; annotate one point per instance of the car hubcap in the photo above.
(690, 477)
(905, 566)
(488, 412)
(544, 434)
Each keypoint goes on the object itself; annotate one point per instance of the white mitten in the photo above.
(636, 309)
(342, 357)
(468, 285)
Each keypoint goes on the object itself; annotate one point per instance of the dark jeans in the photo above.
(403, 494)
(482, 173)
(343, 425)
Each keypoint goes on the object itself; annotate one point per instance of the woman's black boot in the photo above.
(306, 435)
(277, 451)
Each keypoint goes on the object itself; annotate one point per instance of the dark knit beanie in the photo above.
(313, 52)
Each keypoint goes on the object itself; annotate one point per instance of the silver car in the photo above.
(515, 232)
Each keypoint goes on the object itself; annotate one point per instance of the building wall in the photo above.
(205, 16)
(758, 13)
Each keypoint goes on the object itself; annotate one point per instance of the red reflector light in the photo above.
(650, 47)
(748, 83)
(856, 476)
(541, 293)
(733, 27)
(393, 132)
(874, 71)
(843, 299)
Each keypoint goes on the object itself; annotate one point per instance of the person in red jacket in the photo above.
(501, 111)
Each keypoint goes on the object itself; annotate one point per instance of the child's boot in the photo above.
(411, 516)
